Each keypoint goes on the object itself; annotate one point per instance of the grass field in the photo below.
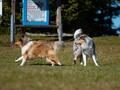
(38, 75)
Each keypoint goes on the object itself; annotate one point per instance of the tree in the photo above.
(93, 16)
(6, 16)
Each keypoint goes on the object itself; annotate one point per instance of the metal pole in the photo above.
(59, 20)
(11, 30)
(12, 23)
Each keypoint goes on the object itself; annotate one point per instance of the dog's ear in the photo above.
(21, 40)
(83, 37)
(26, 38)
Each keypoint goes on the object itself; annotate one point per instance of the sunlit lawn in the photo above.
(38, 75)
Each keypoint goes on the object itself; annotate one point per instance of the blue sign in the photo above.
(35, 12)
(0, 7)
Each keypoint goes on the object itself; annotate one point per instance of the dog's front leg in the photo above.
(23, 60)
(81, 60)
(74, 60)
(84, 59)
(19, 59)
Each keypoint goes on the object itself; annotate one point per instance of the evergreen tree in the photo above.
(93, 16)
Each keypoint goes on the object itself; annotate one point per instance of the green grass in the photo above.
(38, 75)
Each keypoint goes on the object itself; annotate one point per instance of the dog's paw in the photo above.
(59, 64)
(81, 63)
(52, 65)
(16, 60)
(97, 65)
(21, 65)
(74, 61)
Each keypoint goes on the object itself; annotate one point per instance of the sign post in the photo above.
(59, 20)
(12, 23)
(35, 13)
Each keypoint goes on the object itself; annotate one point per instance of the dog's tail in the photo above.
(58, 45)
(77, 33)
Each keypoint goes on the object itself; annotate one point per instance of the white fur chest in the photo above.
(84, 46)
(26, 47)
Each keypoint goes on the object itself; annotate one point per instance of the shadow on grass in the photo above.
(49, 64)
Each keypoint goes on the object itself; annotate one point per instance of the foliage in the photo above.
(0, 21)
(6, 16)
(85, 14)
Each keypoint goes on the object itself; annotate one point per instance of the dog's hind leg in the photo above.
(94, 60)
(48, 60)
(56, 60)
(19, 59)
(53, 58)
(59, 63)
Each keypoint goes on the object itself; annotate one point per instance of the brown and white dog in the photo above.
(36, 49)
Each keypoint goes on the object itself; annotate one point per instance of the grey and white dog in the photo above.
(77, 49)
(83, 46)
